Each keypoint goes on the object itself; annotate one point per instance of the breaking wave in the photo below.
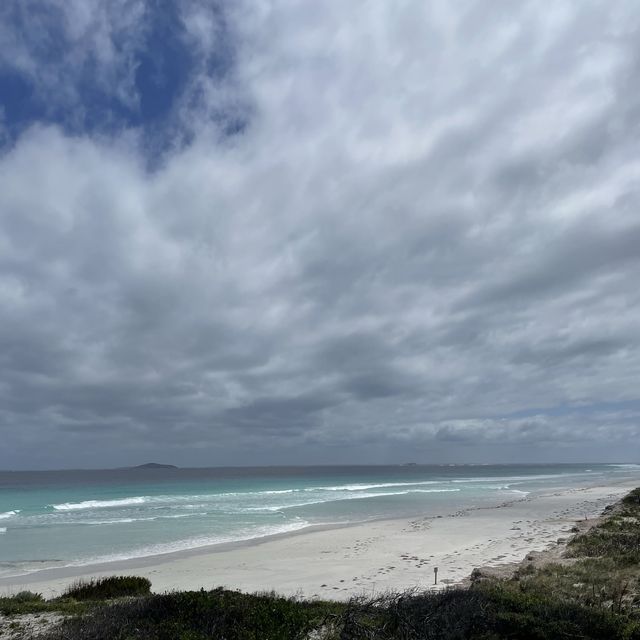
(364, 487)
(99, 504)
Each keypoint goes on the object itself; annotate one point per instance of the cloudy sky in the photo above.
(282, 231)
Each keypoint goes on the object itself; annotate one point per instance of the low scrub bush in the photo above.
(111, 587)
(484, 612)
(632, 498)
(29, 602)
(23, 602)
(199, 615)
(27, 596)
(481, 613)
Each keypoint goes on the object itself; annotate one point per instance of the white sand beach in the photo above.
(361, 559)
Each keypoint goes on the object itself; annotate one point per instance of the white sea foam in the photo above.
(274, 492)
(116, 521)
(196, 543)
(3, 529)
(201, 501)
(513, 478)
(427, 491)
(9, 514)
(149, 519)
(162, 502)
(99, 504)
(364, 487)
(355, 496)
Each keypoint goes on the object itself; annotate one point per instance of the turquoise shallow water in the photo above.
(62, 518)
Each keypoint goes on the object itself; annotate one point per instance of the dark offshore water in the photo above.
(61, 518)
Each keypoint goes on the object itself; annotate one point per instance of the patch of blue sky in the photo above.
(163, 65)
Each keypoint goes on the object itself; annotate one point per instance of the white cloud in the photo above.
(426, 228)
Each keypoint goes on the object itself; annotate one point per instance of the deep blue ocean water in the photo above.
(61, 518)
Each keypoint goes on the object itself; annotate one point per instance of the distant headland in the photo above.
(154, 465)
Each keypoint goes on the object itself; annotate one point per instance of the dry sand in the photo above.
(30, 625)
(366, 558)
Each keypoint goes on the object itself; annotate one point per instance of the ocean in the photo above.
(54, 519)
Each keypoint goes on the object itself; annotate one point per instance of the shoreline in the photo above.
(71, 570)
(338, 561)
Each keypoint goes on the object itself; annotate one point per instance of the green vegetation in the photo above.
(601, 568)
(592, 593)
(110, 587)
(23, 602)
(79, 598)
(196, 615)
(485, 612)
(27, 602)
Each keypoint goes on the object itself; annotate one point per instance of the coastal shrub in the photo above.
(199, 615)
(440, 616)
(110, 587)
(632, 498)
(595, 582)
(23, 602)
(603, 566)
(521, 615)
(484, 612)
(620, 542)
(480, 613)
(26, 602)
(27, 596)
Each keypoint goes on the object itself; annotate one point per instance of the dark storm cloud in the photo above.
(420, 242)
